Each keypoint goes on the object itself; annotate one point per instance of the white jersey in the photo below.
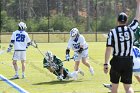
(76, 43)
(21, 38)
(136, 57)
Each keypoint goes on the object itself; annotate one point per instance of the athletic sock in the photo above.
(22, 73)
(16, 73)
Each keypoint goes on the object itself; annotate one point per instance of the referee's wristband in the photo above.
(105, 64)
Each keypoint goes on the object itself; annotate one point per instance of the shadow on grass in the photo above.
(9, 79)
(136, 91)
(56, 82)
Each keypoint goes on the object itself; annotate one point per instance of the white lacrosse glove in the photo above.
(9, 49)
(75, 56)
(60, 77)
(68, 57)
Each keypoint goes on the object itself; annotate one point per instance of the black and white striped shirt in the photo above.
(121, 39)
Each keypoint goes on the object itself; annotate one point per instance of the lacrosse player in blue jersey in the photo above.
(79, 46)
(20, 40)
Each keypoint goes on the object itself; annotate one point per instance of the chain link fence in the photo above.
(43, 37)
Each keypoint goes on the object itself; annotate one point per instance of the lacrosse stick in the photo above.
(3, 51)
(67, 60)
(34, 44)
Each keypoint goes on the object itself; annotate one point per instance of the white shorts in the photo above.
(136, 72)
(78, 57)
(19, 55)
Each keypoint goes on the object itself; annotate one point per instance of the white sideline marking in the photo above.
(18, 88)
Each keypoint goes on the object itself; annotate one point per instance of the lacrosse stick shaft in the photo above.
(41, 52)
(66, 60)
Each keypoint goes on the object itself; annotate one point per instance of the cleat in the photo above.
(15, 77)
(109, 86)
(75, 76)
(81, 72)
(67, 78)
(91, 71)
(23, 76)
(60, 78)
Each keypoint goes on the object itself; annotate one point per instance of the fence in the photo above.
(45, 37)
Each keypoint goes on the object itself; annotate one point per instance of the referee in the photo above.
(120, 43)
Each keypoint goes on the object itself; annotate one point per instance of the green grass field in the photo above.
(39, 80)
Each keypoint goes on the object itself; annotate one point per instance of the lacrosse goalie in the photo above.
(55, 66)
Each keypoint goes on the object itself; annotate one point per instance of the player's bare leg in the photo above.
(128, 88)
(86, 63)
(76, 67)
(76, 70)
(114, 88)
(16, 69)
(23, 68)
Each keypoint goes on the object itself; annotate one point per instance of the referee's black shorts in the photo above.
(121, 69)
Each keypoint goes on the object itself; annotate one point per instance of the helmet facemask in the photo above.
(74, 33)
(49, 56)
(22, 26)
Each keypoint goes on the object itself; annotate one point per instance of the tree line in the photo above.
(62, 15)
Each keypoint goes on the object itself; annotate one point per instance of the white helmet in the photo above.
(74, 32)
(49, 56)
(22, 26)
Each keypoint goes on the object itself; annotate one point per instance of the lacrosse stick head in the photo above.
(34, 44)
(49, 56)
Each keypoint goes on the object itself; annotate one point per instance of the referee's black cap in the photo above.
(122, 17)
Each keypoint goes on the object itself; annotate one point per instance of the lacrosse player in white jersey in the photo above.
(79, 46)
(20, 40)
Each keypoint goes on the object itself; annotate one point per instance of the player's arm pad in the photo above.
(80, 50)
(67, 51)
(28, 44)
(11, 43)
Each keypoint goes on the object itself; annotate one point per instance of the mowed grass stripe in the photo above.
(39, 82)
